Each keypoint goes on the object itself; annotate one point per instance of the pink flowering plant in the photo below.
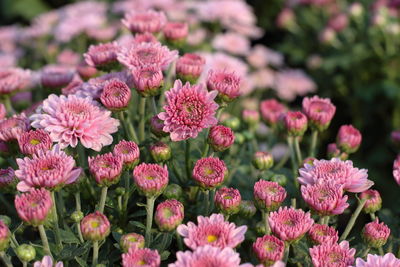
(162, 133)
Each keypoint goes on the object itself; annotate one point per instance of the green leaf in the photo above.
(117, 236)
(165, 255)
(140, 204)
(70, 252)
(81, 262)
(137, 224)
(69, 237)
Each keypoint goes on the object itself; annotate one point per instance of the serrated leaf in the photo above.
(70, 252)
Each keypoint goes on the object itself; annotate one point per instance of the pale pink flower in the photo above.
(222, 61)
(102, 34)
(319, 111)
(268, 249)
(68, 57)
(12, 128)
(102, 55)
(33, 141)
(290, 224)
(261, 56)
(325, 197)
(376, 234)
(71, 119)
(335, 255)
(387, 260)
(176, 31)
(213, 231)
(141, 257)
(295, 123)
(209, 172)
(228, 200)
(169, 214)
(396, 169)
(145, 21)
(341, 172)
(190, 66)
(348, 138)
(263, 78)
(291, 83)
(34, 206)
(106, 168)
(56, 76)
(128, 151)
(221, 137)
(13, 79)
(197, 36)
(374, 201)
(148, 80)
(150, 179)
(338, 22)
(227, 84)
(146, 37)
(95, 226)
(232, 42)
(272, 111)
(188, 111)
(322, 234)
(147, 54)
(116, 95)
(268, 195)
(208, 256)
(47, 262)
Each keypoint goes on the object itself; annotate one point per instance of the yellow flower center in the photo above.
(95, 224)
(34, 142)
(211, 238)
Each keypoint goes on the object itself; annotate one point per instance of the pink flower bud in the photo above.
(131, 240)
(348, 139)
(268, 249)
(169, 214)
(272, 111)
(220, 138)
(156, 126)
(7, 180)
(319, 112)
(34, 207)
(375, 234)
(95, 226)
(322, 234)
(295, 123)
(129, 152)
(150, 179)
(3, 111)
(227, 84)
(106, 169)
(338, 22)
(160, 152)
(227, 200)
(189, 67)
(286, 18)
(86, 71)
(116, 95)
(141, 257)
(209, 172)
(374, 201)
(396, 170)
(262, 160)
(333, 151)
(33, 141)
(102, 56)
(145, 21)
(268, 195)
(251, 117)
(148, 80)
(176, 31)
(4, 236)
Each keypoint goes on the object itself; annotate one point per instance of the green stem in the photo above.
(206, 148)
(24, 264)
(380, 249)
(142, 115)
(266, 222)
(77, 196)
(126, 198)
(286, 253)
(131, 130)
(103, 197)
(5, 259)
(293, 202)
(149, 219)
(154, 105)
(293, 160)
(81, 155)
(179, 239)
(207, 201)
(95, 253)
(313, 144)
(372, 215)
(56, 227)
(45, 241)
(119, 200)
(353, 219)
(78, 229)
(326, 220)
(8, 105)
(187, 160)
(365, 252)
(298, 152)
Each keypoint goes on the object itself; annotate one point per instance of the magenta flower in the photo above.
(228, 200)
(268, 249)
(147, 55)
(54, 76)
(322, 234)
(169, 214)
(150, 179)
(71, 119)
(272, 111)
(209, 172)
(51, 169)
(116, 95)
(128, 151)
(268, 195)
(348, 138)
(106, 169)
(336, 255)
(189, 67)
(131, 240)
(227, 84)
(137, 257)
(5, 235)
(176, 31)
(148, 80)
(319, 111)
(12, 128)
(7, 179)
(34, 206)
(188, 111)
(47, 262)
(295, 123)
(396, 168)
(375, 234)
(374, 201)
(290, 224)
(13, 79)
(221, 137)
(95, 226)
(208, 256)
(32, 142)
(325, 198)
(213, 231)
(387, 260)
(145, 21)
(102, 56)
(341, 172)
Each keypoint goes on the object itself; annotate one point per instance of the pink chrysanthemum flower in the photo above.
(13, 79)
(189, 67)
(341, 172)
(290, 224)
(5, 235)
(213, 231)
(209, 172)
(396, 168)
(95, 226)
(322, 234)
(56, 77)
(3, 111)
(137, 257)
(325, 198)
(85, 71)
(221, 137)
(51, 169)
(71, 119)
(375, 234)
(332, 255)
(102, 56)
(47, 262)
(188, 111)
(348, 138)
(116, 95)
(150, 179)
(147, 54)
(295, 123)
(12, 128)
(293, 82)
(262, 160)
(387, 260)
(232, 42)
(272, 111)
(208, 256)
(169, 214)
(106, 169)
(7, 179)
(131, 240)
(128, 151)
(228, 200)
(145, 21)
(251, 117)
(146, 37)
(34, 206)
(374, 201)
(268, 249)
(33, 141)
(148, 80)
(176, 31)
(319, 111)
(226, 83)
(268, 195)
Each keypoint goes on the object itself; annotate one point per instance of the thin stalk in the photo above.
(293, 160)
(266, 222)
(313, 144)
(167, 84)
(81, 156)
(45, 241)
(293, 202)
(126, 198)
(103, 197)
(56, 227)
(131, 130)
(326, 220)
(187, 159)
(95, 253)
(5, 259)
(154, 105)
(207, 201)
(8, 105)
(365, 252)
(149, 219)
(142, 115)
(77, 196)
(353, 219)
(286, 253)
(206, 149)
(372, 215)
(119, 200)
(24, 264)
(78, 229)
(380, 249)
(298, 151)
(179, 239)
(121, 118)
